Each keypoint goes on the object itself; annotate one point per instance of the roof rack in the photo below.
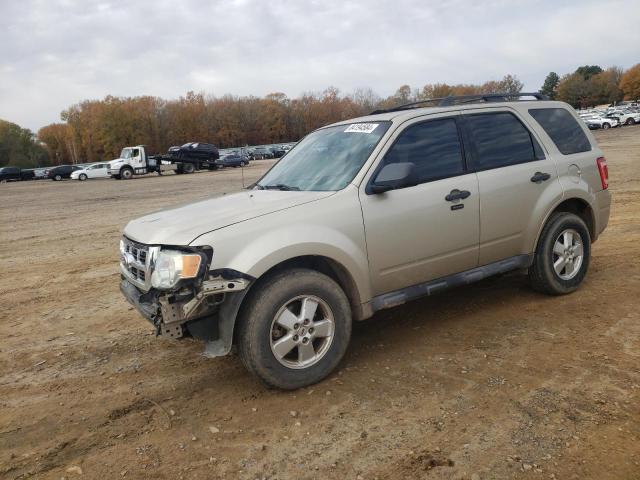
(462, 99)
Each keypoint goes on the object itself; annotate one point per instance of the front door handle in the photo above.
(540, 177)
(456, 194)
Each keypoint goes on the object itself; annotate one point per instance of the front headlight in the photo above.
(171, 266)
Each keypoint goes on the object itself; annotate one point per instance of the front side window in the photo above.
(563, 129)
(500, 139)
(433, 147)
(325, 160)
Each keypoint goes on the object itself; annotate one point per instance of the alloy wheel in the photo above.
(568, 254)
(302, 332)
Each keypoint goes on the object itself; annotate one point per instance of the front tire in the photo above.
(126, 174)
(606, 126)
(294, 329)
(57, 178)
(562, 256)
(188, 168)
(82, 177)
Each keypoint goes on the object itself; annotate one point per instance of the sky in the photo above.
(55, 53)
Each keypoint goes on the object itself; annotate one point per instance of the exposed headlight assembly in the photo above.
(171, 266)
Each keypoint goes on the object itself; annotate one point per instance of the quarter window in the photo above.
(500, 139)
(433, 147)
(563, 129)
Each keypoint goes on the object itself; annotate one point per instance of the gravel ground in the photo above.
(488, 381)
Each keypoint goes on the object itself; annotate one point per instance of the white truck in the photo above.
(184, 159)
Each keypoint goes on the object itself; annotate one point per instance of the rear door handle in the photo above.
(456, 194)
(540, 177)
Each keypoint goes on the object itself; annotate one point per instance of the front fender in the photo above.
(331, 227)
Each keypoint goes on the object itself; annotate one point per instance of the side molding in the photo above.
(398, 297)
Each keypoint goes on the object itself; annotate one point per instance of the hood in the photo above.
(182, 225)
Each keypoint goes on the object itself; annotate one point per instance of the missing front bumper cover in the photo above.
(209, 315)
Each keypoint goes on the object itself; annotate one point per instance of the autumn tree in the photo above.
(58, 139)
(630, 83)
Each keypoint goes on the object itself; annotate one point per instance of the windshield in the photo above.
(325, 160)
(126, 153)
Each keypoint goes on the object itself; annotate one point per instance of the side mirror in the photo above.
(392, 176)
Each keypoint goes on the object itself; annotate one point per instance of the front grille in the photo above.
(136, 262)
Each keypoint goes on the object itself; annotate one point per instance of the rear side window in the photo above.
(433, 147)
(563, 129)
(500, 139)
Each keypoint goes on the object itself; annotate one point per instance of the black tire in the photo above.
(82, 177)
(254, 328)
(606, 126)
(117, 177)
(126, 173)
(542, 275)
(242, 164)
(188, 168)
(630, 121)
(57, 178)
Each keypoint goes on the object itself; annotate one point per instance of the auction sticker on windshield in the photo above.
(361, 128)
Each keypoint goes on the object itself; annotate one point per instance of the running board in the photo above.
(398, 297)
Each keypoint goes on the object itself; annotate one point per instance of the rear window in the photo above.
(500, 140)
(563, 129)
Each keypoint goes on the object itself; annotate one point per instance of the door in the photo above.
(517, 181)
(422, 232)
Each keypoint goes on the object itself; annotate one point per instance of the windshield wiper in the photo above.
(279, 186)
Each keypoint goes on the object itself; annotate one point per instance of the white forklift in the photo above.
(185, 159)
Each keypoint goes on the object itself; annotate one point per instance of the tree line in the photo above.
(95, 130)
(590, 85)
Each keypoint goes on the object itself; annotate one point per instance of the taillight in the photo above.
(604, 172)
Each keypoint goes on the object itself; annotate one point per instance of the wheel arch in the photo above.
(325, 265)
(578, 206)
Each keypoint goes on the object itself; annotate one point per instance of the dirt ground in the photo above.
(488, 381)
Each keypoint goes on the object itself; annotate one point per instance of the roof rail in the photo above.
(462, 99)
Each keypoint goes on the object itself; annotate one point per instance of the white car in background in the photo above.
(625, 117)
(97, 170)
(596, 121)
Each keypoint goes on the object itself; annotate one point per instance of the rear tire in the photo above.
(562, 256)
(294, 328)
(57, 178)
(630, 121)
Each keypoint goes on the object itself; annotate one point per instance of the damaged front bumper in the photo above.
(207, 312)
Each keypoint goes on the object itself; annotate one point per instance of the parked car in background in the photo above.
(260, 153)
(232, 160)
(27, 174)
(625, 117)
(596, 121)
(193, 151)
(278, 151)
(39, 173)
(9, 174)
(61, 171)
(97, 170)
